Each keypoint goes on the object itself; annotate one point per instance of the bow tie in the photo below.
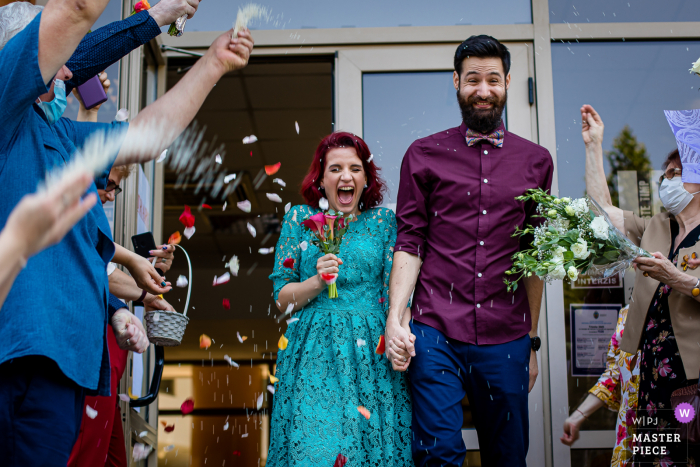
(495, 138)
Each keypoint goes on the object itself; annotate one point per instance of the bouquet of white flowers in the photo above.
(577, 237)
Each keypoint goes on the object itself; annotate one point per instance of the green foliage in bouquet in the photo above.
(575, 238)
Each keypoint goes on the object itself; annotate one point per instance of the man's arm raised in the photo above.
(404, 274)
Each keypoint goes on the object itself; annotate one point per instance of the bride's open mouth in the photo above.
(346, 194)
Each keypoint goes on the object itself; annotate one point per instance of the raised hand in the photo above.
(167, 11)
(591, 126)
(165, 255)
(232, 53)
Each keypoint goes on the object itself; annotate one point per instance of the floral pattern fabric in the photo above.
(661, 367)
(618, 387)
(329, 368)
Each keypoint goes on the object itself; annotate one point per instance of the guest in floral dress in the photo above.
(336, 395)
(617, 389)
(664, 316)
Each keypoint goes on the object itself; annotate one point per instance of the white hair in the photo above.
(15, 17)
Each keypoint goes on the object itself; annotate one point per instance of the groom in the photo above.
(456, 213)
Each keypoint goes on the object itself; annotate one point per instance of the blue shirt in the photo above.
(57, 306)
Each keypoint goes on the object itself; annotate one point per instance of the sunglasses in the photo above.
(111, 186)
(670, 173)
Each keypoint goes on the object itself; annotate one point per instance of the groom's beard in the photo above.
(484, 121)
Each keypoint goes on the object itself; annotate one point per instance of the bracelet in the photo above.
(696, 289)
(143, 295)
(584, 415)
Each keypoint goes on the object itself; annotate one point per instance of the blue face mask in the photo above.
(55, 108)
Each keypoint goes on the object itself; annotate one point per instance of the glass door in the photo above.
(394, 95)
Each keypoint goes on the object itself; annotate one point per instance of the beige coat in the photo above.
(655, 235)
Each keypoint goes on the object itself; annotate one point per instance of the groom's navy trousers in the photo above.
(495, 378)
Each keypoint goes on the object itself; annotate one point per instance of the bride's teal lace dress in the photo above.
(330, 367)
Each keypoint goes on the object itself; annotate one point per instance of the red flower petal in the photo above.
(169, 428)
(365, 413)
(175, 239)
(327, 277)
(187, 406)
(237, 453)
(382, 300)
(272, 169)
(340, 461)
(288, 263)
(227, 304)
(187, 218)
(206, 206)
(381, 348)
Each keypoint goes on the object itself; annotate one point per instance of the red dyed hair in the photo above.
(310, 188)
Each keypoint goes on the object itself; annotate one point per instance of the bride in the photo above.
(336, 397)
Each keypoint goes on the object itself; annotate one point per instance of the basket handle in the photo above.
(155, 381)
(189, 286)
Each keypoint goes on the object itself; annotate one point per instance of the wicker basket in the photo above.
(166, 328)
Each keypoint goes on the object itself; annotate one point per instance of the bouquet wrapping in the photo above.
(176, 28)
(328, 228)
(576, 237)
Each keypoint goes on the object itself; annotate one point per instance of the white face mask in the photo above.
(674, 196)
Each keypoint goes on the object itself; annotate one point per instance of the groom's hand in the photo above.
(395, 332)
(534, 370)
(231, 53)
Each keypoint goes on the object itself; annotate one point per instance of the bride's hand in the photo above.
(327, 264)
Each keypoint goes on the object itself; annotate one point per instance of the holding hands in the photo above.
(129, 331)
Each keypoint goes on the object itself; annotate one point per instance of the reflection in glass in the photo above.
(218, 15)
(623, 11)
(629, 84)
(399, 108)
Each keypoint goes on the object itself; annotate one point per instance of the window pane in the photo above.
(629, 84)
(623, 11)
(217, 15)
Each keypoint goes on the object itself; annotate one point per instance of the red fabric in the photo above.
(101, 440)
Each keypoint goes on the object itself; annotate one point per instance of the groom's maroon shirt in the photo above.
(456, 209)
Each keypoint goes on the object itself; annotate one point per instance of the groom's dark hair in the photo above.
(482, 46)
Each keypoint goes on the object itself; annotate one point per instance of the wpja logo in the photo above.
(653, 436)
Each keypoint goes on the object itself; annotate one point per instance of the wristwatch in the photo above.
(536, 343)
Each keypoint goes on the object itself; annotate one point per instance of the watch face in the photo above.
(536, 342)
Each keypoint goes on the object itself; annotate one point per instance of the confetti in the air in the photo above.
(122, 115)
(244, 435)
(226, 304)
(381, 348)
(231, 362)
(226, 426)
(205, 206)
(189, 231)
(141, 452)
(143, 434)
(222, 279)
(323, 204)
(259, 402)
(304, 245)
(169, 428)
(340, 461)
(156, 317)
(246, 15)
(218, 159)
(241, 339)
(169, 448)
(282, 344)
(273, 379)
(244, 206)
(274, 197)
(296, 126)
(250, 139)
(369, 159)
(187, 218)
(288, 263)
(287, 207)
(124, 397)
(279, 181)
(229, 177)
(204, 341)
(237, 453)
(187, 406)
(175, 239)
(162, 156)
(291, 320)
(271, 389)
(361, 342)
(234, 265)
(181, 281)
(365, 413)
(251, 229)
(92, 413)
(272, 169)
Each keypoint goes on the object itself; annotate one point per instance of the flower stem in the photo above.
(332, 291)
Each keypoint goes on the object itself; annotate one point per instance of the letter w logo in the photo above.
(684, 412)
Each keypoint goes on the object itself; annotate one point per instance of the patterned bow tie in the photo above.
(495, 138)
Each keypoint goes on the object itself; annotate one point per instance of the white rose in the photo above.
(569, 210)
(696, 67)
(572, 273)
(580, 249)
(600, 228)
(557, 273)
(558, 254)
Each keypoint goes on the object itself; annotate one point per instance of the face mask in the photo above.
(55, 108)
(674, 196)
